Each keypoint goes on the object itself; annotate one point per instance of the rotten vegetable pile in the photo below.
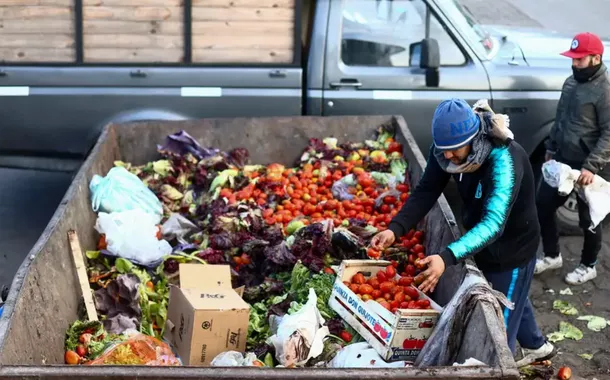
(280, 229)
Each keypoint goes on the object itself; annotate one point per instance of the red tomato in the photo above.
(389, 200)
(384, 209)
(386, 286)
(390, 271)
(376, 294)
(418, 248)
(412, 293)
(366, 289)
(354, 288)
(419, 235)
(374, 282)
(381, 276)
(406, 281)
(358, 279)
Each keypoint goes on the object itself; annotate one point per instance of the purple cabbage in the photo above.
(182, 143)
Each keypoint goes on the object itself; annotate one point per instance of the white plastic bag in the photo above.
(300, 336)
(361, 355)
(132, 235)
(596, 195)
(236, 359)
(120, 191)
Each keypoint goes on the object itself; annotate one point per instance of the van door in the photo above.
(372, 62)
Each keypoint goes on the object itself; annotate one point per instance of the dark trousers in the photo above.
(520, 322)
(547, 202)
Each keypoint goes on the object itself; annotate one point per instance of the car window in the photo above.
(387, 33)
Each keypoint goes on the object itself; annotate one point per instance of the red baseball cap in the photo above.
(585, 44)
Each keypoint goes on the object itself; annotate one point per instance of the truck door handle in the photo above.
(346, 83)
(277, 74)
(137, 74)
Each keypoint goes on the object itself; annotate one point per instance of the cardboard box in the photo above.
(398, 336)
(205, 315)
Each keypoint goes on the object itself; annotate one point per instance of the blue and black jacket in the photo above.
(499, 210)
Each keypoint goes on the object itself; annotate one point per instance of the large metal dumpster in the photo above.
(44, 297)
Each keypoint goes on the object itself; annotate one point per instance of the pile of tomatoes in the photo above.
(389, 290)
(306, 192)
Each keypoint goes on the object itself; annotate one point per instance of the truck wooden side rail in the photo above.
(45, 295)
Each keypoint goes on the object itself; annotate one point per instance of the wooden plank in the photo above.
(131, 3)
(242, 14)
(37, 55)
(30, 41)
(133, 55)
(242, 56)
(36, 13)
(66, 3)
(93, 41)
(245, 3)
(81, 271)
(258, 41)
(133, 13)
(42, 26)
(241, 28)
(166, 28)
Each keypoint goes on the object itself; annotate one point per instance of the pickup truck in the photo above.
(351, 57)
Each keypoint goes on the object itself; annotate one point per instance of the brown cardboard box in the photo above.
(205, 315)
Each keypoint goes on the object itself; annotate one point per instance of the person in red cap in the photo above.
(580, 138)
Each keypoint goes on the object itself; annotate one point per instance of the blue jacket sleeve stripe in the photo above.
(496, 208)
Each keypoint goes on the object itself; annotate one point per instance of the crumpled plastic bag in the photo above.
(236, 359)
(132, 235)
(178, 227)
(121, 191)
(361, 355)
(138, 349)
(596, 194)
(300, 336)
(443, 346)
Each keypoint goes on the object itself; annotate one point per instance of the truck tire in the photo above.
(567, 218)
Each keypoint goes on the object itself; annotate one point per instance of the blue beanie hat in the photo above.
(454, 124)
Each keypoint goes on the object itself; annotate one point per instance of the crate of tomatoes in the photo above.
(386, 309)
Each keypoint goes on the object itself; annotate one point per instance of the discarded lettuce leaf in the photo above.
(92, 255)
(123, 265)
(564, 307)
(171, 192)
(162, 167)
(586, 356)
(595, 323)
(566, 292)
(566, 331)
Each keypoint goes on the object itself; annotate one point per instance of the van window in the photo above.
(387, 33)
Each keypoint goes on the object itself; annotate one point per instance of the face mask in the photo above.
(583, 75)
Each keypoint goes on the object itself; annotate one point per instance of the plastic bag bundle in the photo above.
(132, 235)
(236, 359)
(596, 194)
(443, 346)
(120, 191)
(362, 355)
(139, 349)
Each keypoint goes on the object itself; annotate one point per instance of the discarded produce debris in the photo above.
(281, 229)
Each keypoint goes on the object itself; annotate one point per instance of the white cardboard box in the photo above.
(398, 336)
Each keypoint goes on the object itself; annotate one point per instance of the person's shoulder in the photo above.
(510, 154)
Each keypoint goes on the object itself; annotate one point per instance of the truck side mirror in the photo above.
(430, 60)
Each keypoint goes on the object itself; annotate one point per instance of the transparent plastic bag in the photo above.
(120, 191)
(138, 349)
(236, 359)
(132, 235)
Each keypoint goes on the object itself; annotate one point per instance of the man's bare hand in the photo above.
(586, 177)
(548, 156)
(383, 240)
(436, 268)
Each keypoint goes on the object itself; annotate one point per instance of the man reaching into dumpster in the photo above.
(579, 138)
(496, 183)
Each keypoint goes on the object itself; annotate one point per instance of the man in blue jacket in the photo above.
(496, 183)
